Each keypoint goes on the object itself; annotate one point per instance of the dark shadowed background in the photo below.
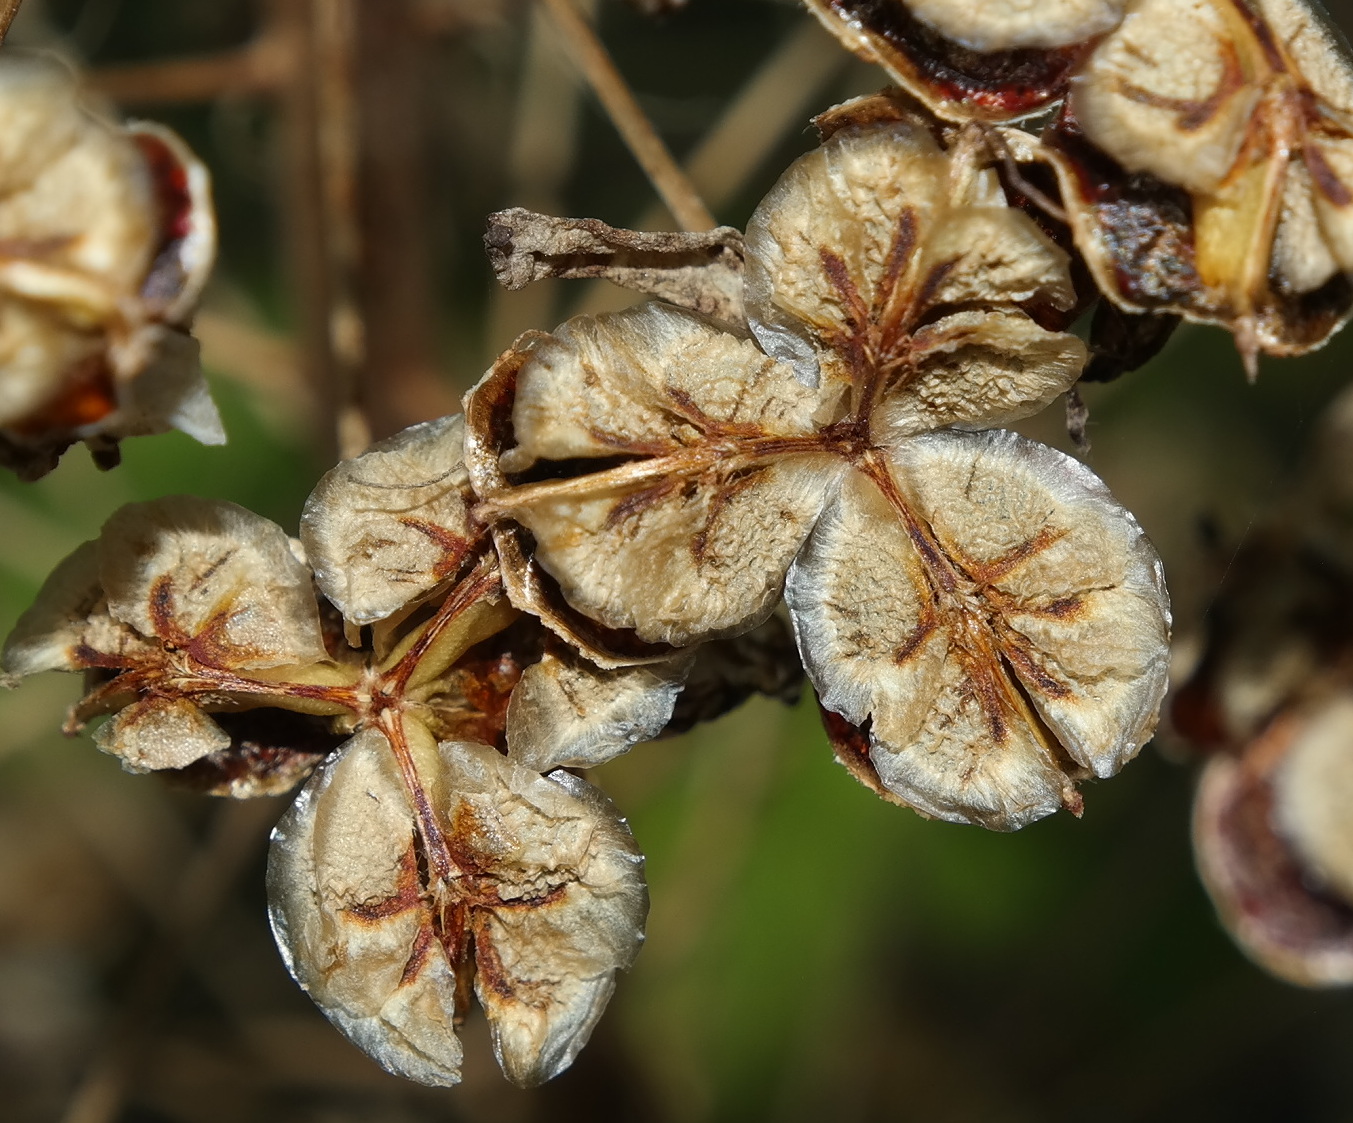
(813, 953)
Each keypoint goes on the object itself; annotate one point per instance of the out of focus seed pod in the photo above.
(107, 236)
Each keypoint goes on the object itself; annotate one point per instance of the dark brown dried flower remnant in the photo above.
(977, 608)
(106, 238)
(973, 59)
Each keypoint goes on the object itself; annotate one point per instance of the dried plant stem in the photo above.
(8, 10)
(669, 181)
(400, 381)
(775, 101)
(259, 67)
(772, 104)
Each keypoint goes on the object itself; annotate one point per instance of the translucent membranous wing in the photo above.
(994, 620)
(108, 236)
(868, 262)
(719, 476)
(389, 526)
(1271, 835)
(384, 899)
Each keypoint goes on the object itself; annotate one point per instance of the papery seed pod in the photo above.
(892, 280)
(386, 528)
(395, 887)
(884, 261)
(991, 620)
(178, 602)
(970, 60)
(108, 236)
(1204, 162)
(566, 713)
(1272, 837)
(689, 396)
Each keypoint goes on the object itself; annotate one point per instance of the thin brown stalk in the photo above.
(775, 101)
(668, 180)
(259, 67)
(304, 218)
(8, 10)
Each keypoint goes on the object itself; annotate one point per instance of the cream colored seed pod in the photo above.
(887, 281)
(177, 591)
(1249, 110)
(1271, 834)
(529, 888)
(106, 239)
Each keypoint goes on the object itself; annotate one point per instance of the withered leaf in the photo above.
(990, 614)
(399, 874)
(387, 527)
(700, 270)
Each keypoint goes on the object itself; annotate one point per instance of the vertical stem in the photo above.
(304, 217)
(399, 382)
(670, 182)
(8, 10)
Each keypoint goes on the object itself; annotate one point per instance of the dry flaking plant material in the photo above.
(700, 270)
(1272, 834)
(377, 903)
(988, 622)
(422, 863)
(107, 235)
(971, 59)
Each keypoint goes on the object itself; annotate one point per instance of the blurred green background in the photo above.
(813, 953)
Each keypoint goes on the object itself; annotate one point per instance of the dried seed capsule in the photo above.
(178, 598)
(566, 713)
(692, 405)
(893, 282)
(109, 236)
(1273, 845)
(1205, 162)
(397, 882)
(885, 262)
(388, 527)
(994, 620)
(973, 61)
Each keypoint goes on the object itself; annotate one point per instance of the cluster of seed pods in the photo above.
(789, 464)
